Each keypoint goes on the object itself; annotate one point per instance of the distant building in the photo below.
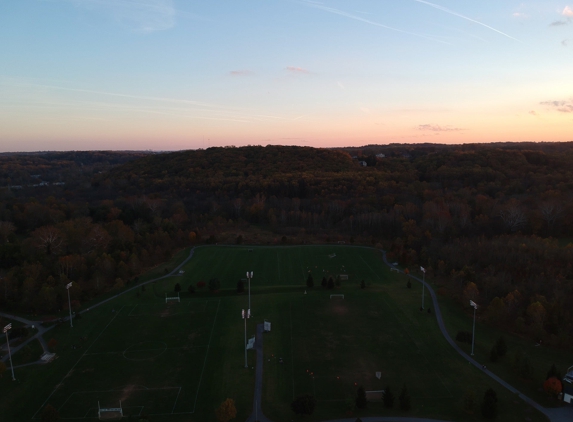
(568, 386)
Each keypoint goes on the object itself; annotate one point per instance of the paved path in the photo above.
(564, 414)
(37, 325)
(257, 415)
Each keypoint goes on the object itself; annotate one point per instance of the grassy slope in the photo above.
(380, 328)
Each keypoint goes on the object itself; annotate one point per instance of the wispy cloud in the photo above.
(39, 95)
(559, 23)
(568, 11)
(559, 105)
(241, 72)
(369, 22)
(438, 128)
(451, 12)
(295, 69)
(139, 15)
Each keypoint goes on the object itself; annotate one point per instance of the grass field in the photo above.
(179, 361)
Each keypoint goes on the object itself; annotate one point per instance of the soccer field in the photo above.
(178, 361)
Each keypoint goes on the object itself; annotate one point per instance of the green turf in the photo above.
(178, 362)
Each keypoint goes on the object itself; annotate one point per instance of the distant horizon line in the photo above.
(158, 151)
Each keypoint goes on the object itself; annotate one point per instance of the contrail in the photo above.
(451, 12)
(358, 18)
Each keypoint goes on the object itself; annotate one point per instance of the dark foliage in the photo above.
(361, 401)
(501, 347)
(388, 398)
(303, 405)
(309, 281)
(214, 284)
(489, 404)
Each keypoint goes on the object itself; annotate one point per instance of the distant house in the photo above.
(380, 155)
(363, 163)
(568, 386)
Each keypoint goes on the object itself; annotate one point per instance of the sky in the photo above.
(187, 74)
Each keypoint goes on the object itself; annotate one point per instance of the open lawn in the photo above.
(179, 361)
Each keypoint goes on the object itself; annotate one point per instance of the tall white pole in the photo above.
(474, 331)
(70, 303)
(475, 306)
(6, 328)
(423, 284)
(246, 315)
(249, 276)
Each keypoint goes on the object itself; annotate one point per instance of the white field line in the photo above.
(145, 350)
(206, 355)
(373, 272)
(78, 361)
(176, 398)
(144, 313)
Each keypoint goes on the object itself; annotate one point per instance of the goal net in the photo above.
(172, 298)
(339, 296)
(109, 413)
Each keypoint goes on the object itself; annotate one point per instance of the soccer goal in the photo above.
(173, 298)
(342, 296)
(109, 413)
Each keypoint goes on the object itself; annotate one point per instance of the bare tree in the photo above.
(49, 239)
(513, 216)
(551, 211)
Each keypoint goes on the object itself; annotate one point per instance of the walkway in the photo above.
(564, 414)
(257, 415)
(41, 329)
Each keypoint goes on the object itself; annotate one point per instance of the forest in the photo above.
(490, 222)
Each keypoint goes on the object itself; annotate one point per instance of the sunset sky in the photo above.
(185, 74)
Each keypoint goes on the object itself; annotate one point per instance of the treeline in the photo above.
(489, 221)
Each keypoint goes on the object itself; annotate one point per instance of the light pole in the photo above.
(69, 302)
(423, 284)
(6, 328)
(246, 315)
(473, 305)
(249, 276)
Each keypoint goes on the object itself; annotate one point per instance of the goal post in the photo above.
(341, 296)
(109, 413)
(173, 298)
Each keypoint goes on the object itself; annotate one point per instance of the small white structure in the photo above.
(109, 413)
(173, 298)
(251, 343)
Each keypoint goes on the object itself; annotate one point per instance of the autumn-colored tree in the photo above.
(50, 414)
(226, 411)
(553, 386)
(471, 292)
(52, 344)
